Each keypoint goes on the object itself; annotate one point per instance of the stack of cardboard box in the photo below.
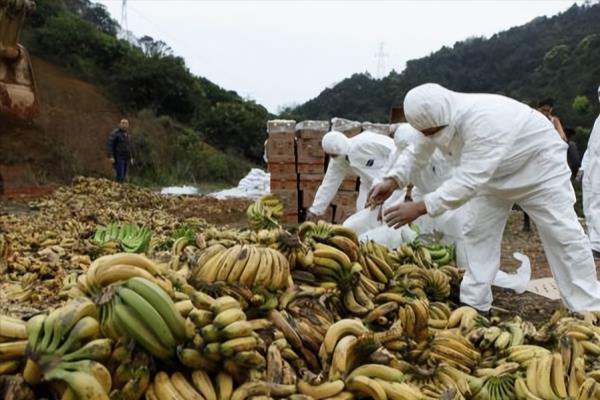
(281, 156)
(311, 163)
(298, 164)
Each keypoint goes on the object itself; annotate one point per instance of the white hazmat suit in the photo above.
(364, 155)
(503, 153)
(591, 184)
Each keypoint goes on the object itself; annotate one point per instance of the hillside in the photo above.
(69, 136)
(557, 57)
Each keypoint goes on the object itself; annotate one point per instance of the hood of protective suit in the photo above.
(337, 143)
(431, 106)
(405, 135)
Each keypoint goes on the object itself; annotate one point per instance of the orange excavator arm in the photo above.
(18, 95)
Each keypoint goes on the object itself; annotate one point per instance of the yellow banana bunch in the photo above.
(249, 265)
(265, 213)
(118, 267)
(455, 350)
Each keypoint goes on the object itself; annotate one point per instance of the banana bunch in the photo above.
(130, 371)
(66, 344)
(265, 213)
(547, 378)
(425, 256)
(225, 333)
(466, 318)
(431, 380)
(296, 252)
(414, 318)
(500, 337)
(324, 232)
(141, 310)
(249, 265)
(455, 350)
(337, 332)
(198, 386)
(13, 342)
(130, 237)
(110, 269)
(375, 260)
(439, 312)
(85, 379)
(304, 311)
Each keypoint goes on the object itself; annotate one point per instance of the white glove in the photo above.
(579, 175)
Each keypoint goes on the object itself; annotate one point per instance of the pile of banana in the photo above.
(211, 313)
(249, 265)
(130, 237)
(265, 213)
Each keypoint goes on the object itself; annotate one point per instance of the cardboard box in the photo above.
(342, 213)
(307, 197)
(283, 184)
(310, 182)
(345, 199)
(281, 147)
(397, 115)
(281, 126)
(282, 170)
(305, 128)
(310, 168)
(383, 129)
(309, 150)
(291, 219)
(289, 198)
(349, 184)
(346, 126)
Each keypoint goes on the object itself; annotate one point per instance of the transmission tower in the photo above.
(124, 26)
(381, 61)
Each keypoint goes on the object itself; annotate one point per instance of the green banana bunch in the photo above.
(130, 237)
(142, 311)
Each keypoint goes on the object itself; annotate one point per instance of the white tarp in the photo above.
(254, 185)
(179, 190)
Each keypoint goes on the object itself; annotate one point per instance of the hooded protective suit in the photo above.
(591, 184)
(503, 152)
(364, 155)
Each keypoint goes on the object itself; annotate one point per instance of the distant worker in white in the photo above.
(503, 153)
(364, 155)
(590, 168)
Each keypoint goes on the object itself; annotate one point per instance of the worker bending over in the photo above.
(364, 156)
(503, 153)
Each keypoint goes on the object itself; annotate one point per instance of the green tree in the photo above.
(581, 105)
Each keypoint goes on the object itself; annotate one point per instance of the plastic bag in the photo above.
(518, 281)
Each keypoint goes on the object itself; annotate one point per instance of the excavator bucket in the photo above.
(18, 94)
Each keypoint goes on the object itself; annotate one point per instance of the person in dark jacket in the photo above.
(120, 150)
(573, 156)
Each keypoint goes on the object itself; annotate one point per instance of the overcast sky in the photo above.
(286, 52)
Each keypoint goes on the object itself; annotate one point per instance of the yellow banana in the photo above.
(185, 389)
(224, 386)
(204, 385)
(164, 388)
(322, 391)
(367, 387)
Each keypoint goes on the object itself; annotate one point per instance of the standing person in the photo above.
(573, 156)
(120, 150)
(546, 107)
(590, 168)
(364, 155)
(498, 162)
